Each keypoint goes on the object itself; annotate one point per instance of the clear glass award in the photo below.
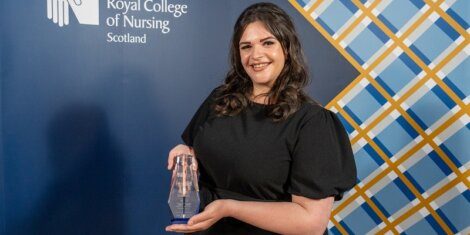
(184, 192)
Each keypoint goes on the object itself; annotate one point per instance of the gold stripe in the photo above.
(386, 171)
(314, 6)
(446, 159)
(410, 186)
(430, 72)
(338, 226)
(404, 114)
(416, 87)
(395, 105)
(431, 198)
(438, 130)
(355, 23)
(378, 212)
(326, 35)
(376, 62)
(457, 27)
(392, 36)
(418, 22)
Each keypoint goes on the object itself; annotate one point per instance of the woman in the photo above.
(270, 160)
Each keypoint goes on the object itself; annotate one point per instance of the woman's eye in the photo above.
(268, 43)
(245, 47)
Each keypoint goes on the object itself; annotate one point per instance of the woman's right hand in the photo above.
(177, 150)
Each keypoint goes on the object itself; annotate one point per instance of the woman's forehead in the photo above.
(255, 31)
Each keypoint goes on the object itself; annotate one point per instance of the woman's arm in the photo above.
(301, 216)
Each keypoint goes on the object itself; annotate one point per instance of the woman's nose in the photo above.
(257, 52)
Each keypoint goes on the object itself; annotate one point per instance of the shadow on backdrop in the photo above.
(86, 193)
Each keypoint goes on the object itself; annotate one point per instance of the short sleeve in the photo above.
(322, 160)
(198, 119)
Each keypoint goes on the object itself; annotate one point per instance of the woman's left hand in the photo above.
(213, 212)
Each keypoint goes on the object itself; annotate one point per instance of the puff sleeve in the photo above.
(322, 159)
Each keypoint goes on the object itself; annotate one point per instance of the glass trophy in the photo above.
(184, 192)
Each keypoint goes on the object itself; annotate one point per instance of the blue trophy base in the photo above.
(180, 221)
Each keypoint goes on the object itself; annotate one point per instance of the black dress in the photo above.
(249, 157)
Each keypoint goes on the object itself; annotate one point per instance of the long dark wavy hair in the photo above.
(287, 95)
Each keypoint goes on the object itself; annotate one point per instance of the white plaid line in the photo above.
(466, 101)
(309, 5)
(430, 84)
(410, 84)
(376, 229)
(330, 225)
(447, 196)
(410, 221)
(359, 145)
(443, 119)
(358, 30)
(424, 212)
(399, 229)
(413, 159)
(452, 129)
(425, 25)
(346, 25)
(446, 52)
(417, 95)
(382, 183)
(349, 209)
(466, 231)
(404, 209)
(465, 119)
(375, 115)
(441, 184)
(452, 64)
(322, 7)
(353, 92)
(382, 5)
(406, 148)
(378, 53)
(353, 134)
(380, 126)
(373, 175)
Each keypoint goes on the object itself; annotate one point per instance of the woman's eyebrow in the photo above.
(262, 40)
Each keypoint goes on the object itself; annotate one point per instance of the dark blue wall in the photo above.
(86, 125)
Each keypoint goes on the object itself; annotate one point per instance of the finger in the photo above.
(195, 166)
(203, 225)
(61, 13)
(54, 11)
(183, 228)
(199, 218)
(177, 227)
(66, 13)
(49, 9)
(171, 157)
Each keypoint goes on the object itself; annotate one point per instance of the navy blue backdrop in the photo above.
(86, 124)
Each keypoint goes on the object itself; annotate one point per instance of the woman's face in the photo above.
(262, 56)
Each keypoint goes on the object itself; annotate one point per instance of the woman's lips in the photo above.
(259, 66)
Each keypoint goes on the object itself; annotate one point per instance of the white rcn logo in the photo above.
(86, 11)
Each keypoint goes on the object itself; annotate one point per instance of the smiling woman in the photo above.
(271, 160)
(262, 58)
